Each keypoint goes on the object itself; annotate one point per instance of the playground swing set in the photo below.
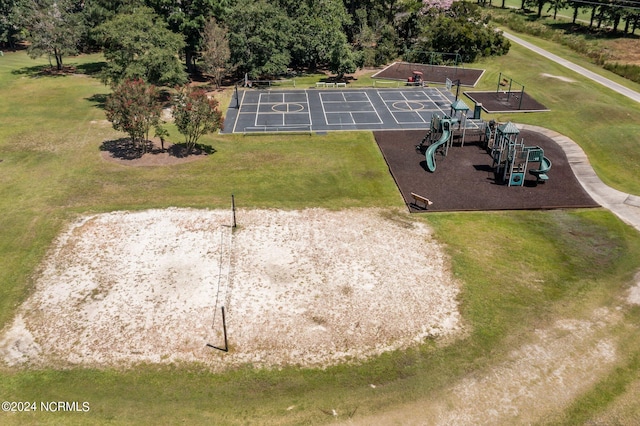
(505, 90)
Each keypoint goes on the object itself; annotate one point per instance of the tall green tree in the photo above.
(134, 108)
(461, 29)
(139, 45)
(53, 28)
(318, 31)
(260, 37)
(188, 18)
(97, 12)
(9, 21)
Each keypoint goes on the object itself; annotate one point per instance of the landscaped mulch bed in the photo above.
(496, 102)
(436, 74)
(464, 179)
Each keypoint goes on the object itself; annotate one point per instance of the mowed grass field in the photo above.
(520, 271)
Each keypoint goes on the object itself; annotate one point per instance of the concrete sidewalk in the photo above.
(623, 205)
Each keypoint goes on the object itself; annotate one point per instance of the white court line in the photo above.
(393, 113)
(374, 109)
(344, 100)
(324, 111)
(239, 111)
(306, 95)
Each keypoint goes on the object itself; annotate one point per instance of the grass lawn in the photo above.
(520, 270)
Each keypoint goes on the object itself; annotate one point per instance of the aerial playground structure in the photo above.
(511, 158)
(438, 139)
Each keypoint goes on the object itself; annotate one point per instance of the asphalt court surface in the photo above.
(336, 109)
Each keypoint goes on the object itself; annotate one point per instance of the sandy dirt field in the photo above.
(311, 287)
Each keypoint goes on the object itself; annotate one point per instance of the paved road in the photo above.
(631, 94)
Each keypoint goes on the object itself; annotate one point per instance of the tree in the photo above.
(54, 28)
(9, 22)
(134, 108)
(188, 18)
(195, 115)
(318, 29)
(260, 37)
(215, 50)
(138, 45)
(462, 29)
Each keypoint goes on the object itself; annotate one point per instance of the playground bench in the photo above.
(419, 198)
(321, 84)
(331, 84)
(341, 84)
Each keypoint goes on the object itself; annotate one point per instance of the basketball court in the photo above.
(333, 109)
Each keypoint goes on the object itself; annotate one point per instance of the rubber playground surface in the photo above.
(464, 179)
(500, 101)
(333, 109)
(436, 74)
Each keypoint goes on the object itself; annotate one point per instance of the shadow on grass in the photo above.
(91, 69)
(99, 100)
(180, 150)
(124, 149)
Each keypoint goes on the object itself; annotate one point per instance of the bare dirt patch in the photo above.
(634, 292)
(559, 77)
(534, 382)
(623, 50)
(310, 287)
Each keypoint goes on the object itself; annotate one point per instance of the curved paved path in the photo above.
(623, 205)
(632, 94)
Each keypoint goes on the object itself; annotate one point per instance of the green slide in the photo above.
(541, 173)
(430, 155)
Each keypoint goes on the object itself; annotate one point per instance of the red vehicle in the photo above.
(415, 79)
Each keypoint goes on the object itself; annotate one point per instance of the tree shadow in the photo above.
(99, 99)
(34, 71)
(91, 68)
(124, 148)
(180, 150)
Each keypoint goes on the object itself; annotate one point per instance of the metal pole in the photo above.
(233, 209)
(224, 330)
(521, 96)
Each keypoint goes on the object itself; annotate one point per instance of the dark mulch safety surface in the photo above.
(464, 179)
(431, 73)
(494, 102)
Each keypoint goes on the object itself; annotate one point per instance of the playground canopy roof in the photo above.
(508, 129)
(459, 105)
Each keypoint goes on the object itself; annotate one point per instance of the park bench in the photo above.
(420, 199)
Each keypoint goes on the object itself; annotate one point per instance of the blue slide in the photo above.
(430, 155)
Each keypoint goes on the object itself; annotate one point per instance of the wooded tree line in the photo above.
(161, 41)
(603, 13)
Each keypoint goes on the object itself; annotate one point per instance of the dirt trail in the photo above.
(535, 380)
